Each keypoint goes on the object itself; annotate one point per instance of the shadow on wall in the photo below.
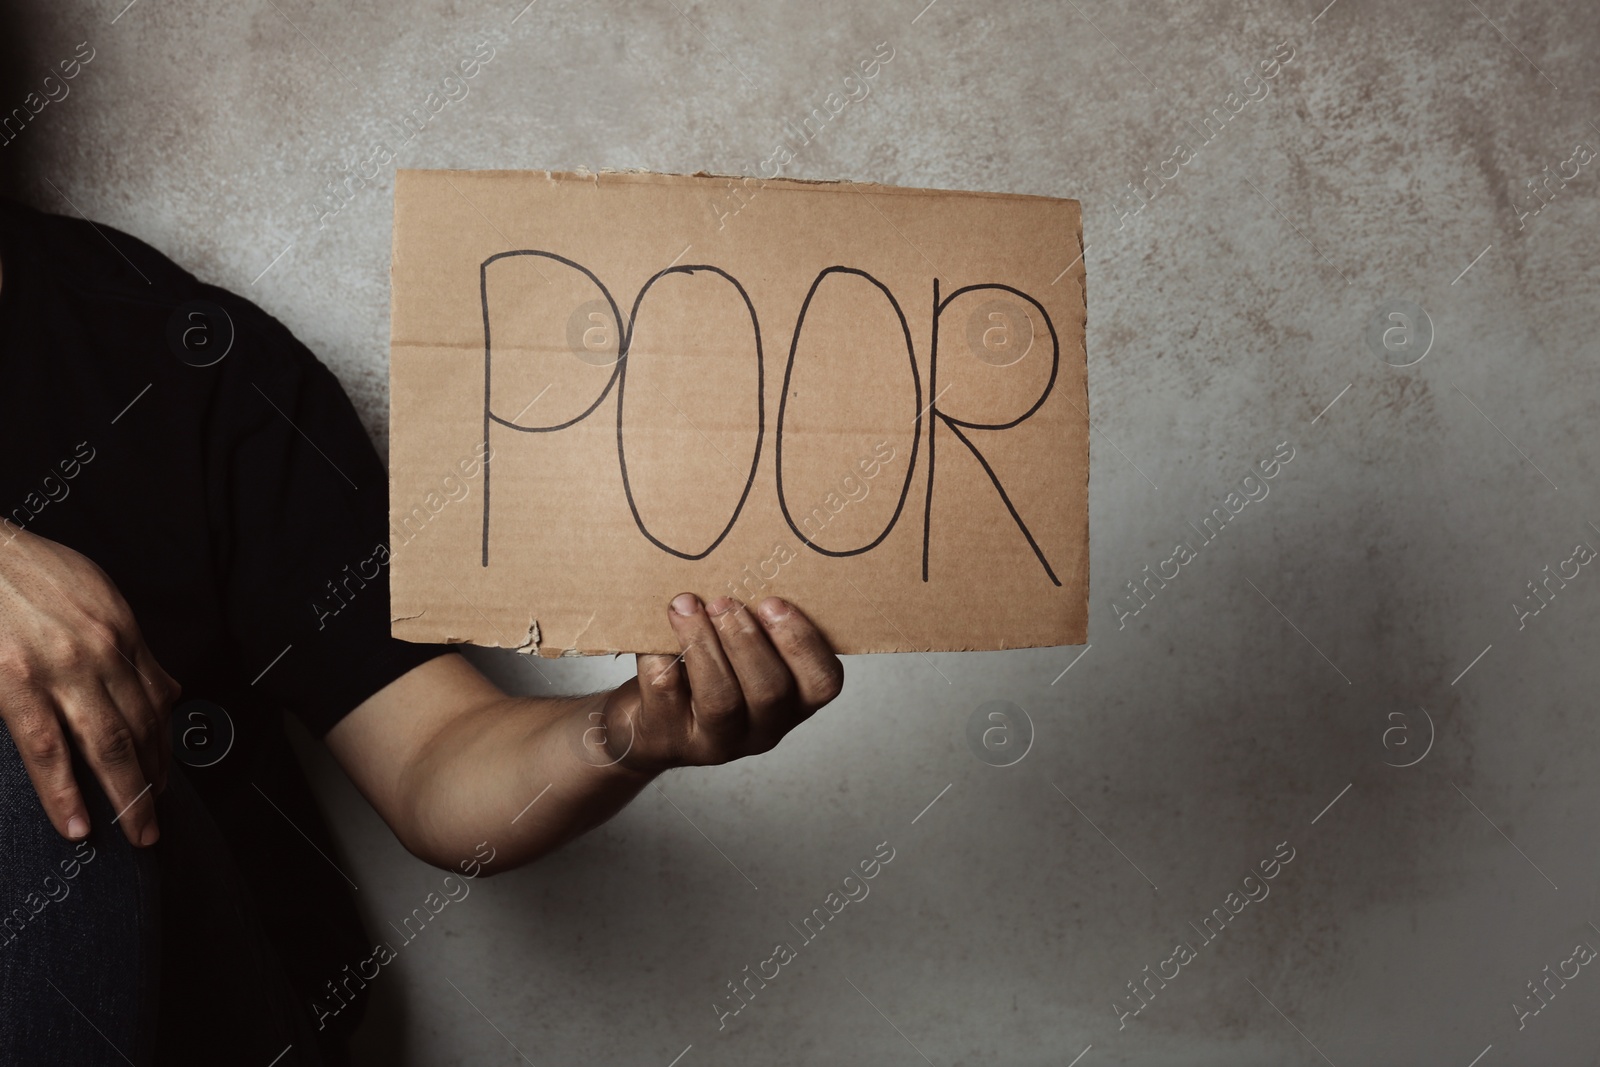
(33, 88)
(14, 63)
(43, 66)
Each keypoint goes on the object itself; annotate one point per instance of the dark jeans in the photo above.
(86, 928)
(80, 939)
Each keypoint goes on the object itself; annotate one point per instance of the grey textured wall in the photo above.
(1322, 636)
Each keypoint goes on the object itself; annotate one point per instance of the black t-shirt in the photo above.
(239, 507)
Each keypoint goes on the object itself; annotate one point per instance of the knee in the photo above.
(48, 879)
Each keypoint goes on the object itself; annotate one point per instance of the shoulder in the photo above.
(92, 258)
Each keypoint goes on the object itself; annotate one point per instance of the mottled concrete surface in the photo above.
(1389, 155)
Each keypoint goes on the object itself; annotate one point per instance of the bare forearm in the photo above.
(453, 764)
(526, 775)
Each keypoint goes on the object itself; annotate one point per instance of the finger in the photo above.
(108, 747)
(763, 676)
(127, 693)
(818, 674)
(161, 691)
(36, 731)
(714, 694)
(665, 718)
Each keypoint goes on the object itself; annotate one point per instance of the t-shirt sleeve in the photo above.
(300, 514)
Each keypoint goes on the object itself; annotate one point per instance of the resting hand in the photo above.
(73, 664)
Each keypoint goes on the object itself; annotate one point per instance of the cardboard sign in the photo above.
(609, 389)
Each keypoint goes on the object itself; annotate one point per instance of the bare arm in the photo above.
(449, 761)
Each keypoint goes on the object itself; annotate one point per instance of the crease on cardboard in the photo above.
(572, 649)
(463, 346)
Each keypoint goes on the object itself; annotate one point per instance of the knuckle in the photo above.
(61, 648)
(21, 668)
(705, 644)
(43, 745)
(63, 799)
(662, 680)
(717, 716)
(145, 731)
(772, 688)
(116, 746)
(829, 680)
(722, 705)
(69, 654)
(103, 633)
(162, 698)
(735, 620)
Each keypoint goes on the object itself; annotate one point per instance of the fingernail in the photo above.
(685, 603)
(150, 836)
(721, 606)
(77, 827)
(773, 609)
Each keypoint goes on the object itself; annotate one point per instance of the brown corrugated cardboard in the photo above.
(609, 389)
